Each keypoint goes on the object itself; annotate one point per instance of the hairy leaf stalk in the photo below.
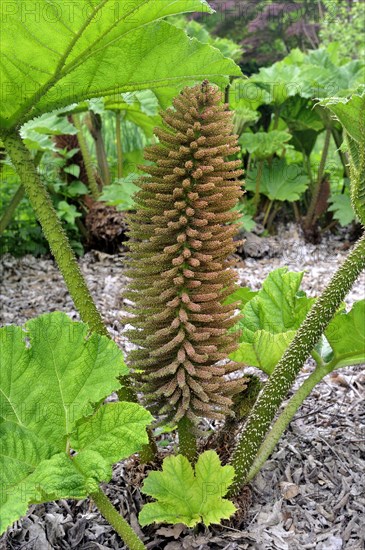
(181, 238)
(53, 231)
(187, 439)
(283, 376)
(93, 185)
(10, 210)
(282, 422)
(94, 123)
(16, 199)
(119, 147)
(123, 529)
(310, 217)
(357, 171)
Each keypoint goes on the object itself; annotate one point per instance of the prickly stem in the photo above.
(53, 231)
(124, 530)
(285, 372)
(86, 157)
(187, 439)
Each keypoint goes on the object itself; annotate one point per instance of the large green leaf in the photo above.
(120, 193)
(266, 349)
(58, 53)
(263, 145)
(63, 369)
(280, 181)
(312, 75)
(243, 295)
(47, 392)
(304, 140)
(322, 78)
(245, 94)
(279, 306)
(299, 114)
(280, 81)
(196, 30)
(183, 497)
(271, 318)
(350, 112)
(346, 336)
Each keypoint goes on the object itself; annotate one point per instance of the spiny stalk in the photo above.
(275, 390)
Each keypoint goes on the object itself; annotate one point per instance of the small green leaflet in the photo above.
(68, 212)
(120, 193)
(243, 294)
(270, 320)
(49, 394)
(342, 209)
(280, 181)
(187, 497)
(346, 336)
(73, 169)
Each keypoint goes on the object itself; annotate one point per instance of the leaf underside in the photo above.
(58, 53)
(48, 392)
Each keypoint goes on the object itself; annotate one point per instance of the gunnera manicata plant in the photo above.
(180, 267)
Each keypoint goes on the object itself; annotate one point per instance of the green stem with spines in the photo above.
(187, 439)
(16, 200)
(94, 123)
(118, 132)
(267, 212)
(357, 171)
(311, 216)
(53, 231)
(12, 206)
(149, 452)
(118, 523)
(94, 188)
(285, 372)
(256, 199)
(284, 418)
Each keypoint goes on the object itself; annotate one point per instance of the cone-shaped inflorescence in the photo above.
(181, 239)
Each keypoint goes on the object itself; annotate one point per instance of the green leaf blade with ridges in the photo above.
(271, 318)
(280, 181)
(55, 381)
(55, 54)
(346, 336)
(54, 376)
(183, 497)
(116, 431)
